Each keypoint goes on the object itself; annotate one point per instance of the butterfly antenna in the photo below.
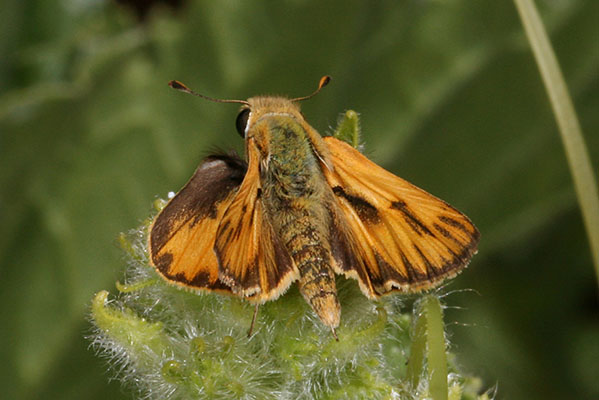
(322, 83)
(182, 88)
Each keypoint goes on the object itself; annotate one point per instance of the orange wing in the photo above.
(182, 236)
(253, 261)
(391, 234)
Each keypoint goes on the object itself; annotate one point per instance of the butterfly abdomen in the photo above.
(306, 243)
(293, 191)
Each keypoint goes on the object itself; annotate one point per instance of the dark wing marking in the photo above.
(182, 236)
(393, 235)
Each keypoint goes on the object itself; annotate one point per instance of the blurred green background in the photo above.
(450, 98)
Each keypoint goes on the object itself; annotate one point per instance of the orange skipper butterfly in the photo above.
(303, 208)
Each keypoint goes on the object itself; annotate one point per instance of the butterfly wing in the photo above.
(391, 234)
(252, 260)
(182, 236)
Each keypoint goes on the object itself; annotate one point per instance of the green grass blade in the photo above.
(585, 183)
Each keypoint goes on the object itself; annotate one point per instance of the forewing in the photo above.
(252, 260)
(182, 236)
(393, 235)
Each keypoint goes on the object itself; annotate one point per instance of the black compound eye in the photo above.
(242, 121)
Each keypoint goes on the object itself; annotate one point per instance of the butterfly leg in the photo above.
(334, 334)
(253, 320)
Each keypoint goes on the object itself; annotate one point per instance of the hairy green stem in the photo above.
(348, 128)
(585, 183)
(428, 343)
(437, 358)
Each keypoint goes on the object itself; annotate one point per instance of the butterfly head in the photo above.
(259, 110)
(256, 108)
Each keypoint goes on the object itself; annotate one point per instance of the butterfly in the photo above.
(303, 208)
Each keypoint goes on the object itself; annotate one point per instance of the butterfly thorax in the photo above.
(294, 193)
